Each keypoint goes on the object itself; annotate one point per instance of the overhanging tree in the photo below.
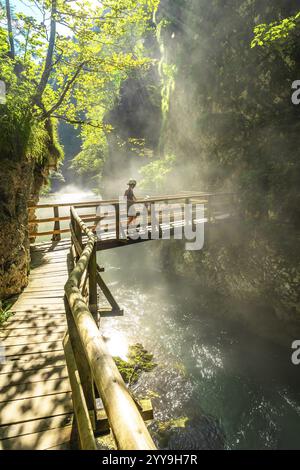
(66, 62)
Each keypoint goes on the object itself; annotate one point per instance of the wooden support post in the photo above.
(82, 364)
(56, 236)
(209, 210)
(194, 213)
(149, 221)
(117, 206)
(186, 202)
(92, 269)
(108, 295)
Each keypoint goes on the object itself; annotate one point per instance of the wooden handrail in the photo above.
(126, 422)
(84, 218)
(168, 197)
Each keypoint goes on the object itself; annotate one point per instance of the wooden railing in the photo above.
(211, 202)
(91, 369)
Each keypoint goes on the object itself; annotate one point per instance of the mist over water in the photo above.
(70, 193)
(237, 388)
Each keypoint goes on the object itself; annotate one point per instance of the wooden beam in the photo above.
(82, 364)
(102, 424)
(85, 428)
(99, 202)
(84, 217)
(108, 295)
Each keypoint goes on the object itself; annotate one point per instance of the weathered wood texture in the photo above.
(35, 395)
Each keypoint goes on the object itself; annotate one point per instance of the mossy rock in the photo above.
(181, 422)
(139, 360)
(183, 433)
(152, 394)
(163, 429)
(127, 370)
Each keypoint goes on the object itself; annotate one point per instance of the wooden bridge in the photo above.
(59, 385)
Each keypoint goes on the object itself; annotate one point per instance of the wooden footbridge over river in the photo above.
(59, 386)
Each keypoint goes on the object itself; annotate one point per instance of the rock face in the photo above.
(20, 181)
(28, 149)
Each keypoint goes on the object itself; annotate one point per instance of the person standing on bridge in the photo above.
(131, 199)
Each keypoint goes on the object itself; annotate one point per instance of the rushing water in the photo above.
(237, 388)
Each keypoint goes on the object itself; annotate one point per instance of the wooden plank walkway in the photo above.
(35, 394)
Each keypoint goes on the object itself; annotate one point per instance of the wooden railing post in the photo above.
(117, 206)
(92, 270)
(209, 212)
(149, 219)
(186, 202)
(56, 236)
(83, 367)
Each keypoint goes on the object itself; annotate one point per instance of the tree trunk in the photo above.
(9, 29)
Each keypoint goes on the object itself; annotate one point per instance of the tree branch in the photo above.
(67, 87)
(77, 121)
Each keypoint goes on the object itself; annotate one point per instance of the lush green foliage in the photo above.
(231, 123)
(66, 62)
(280, 31)
(232, 126)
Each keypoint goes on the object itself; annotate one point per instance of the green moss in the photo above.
(139, 360)
(127, 370)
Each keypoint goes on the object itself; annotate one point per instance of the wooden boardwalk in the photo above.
(35, 394)
(36, 407)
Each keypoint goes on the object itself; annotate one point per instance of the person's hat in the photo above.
(130, 182)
